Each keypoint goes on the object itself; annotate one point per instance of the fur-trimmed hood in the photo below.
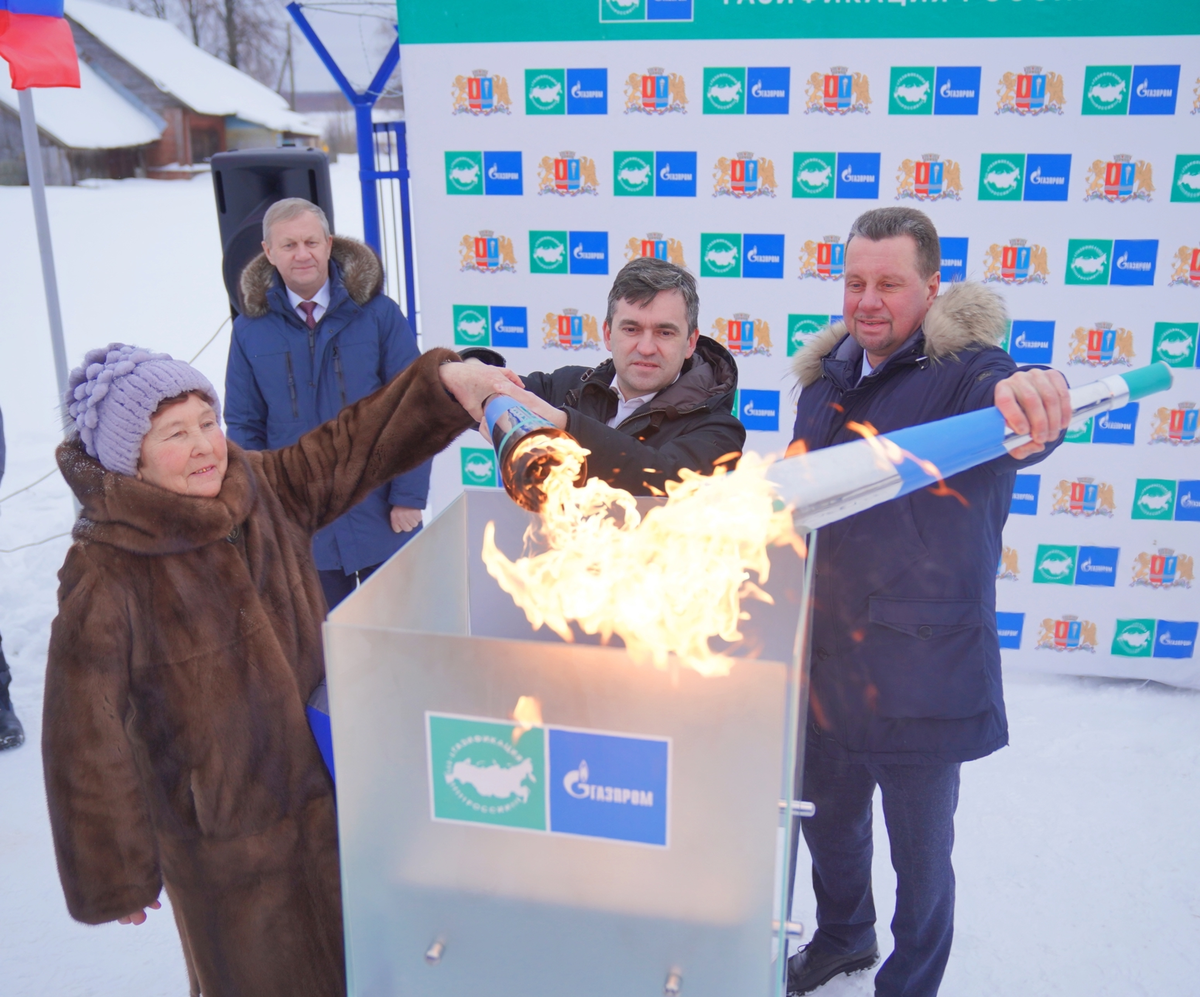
(967, 316)
(357, 266)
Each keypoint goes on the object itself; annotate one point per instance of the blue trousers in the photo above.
(918, 805)
(336, 584)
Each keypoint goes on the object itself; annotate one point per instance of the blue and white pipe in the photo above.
(831, 484)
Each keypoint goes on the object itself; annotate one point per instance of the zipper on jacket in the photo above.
(337, 366)
(292, 385)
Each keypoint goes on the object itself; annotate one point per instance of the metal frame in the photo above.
(369, 174)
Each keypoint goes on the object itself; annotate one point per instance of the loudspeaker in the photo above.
(246, 184)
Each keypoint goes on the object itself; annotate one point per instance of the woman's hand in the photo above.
(138, 916)
(472, 383)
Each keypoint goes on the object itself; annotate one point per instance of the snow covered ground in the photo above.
(1077, 856)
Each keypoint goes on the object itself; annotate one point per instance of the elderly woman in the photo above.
(187, 642)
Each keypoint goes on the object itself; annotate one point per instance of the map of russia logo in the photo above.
(548, 779)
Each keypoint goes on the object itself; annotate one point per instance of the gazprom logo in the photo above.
(1031, 341)
(753, 255)
(495, 325)
(759, 410)
(1175, 638)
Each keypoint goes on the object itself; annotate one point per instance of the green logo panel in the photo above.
(471, 325)
(547, 252)
(1153, 498)
(1089, 261)
(1106, 89)
(814, 174)
(633, 174)
(622, 10)
(1007, 335)
(1055, 565)
(801, 328)
(1134, 638)
(478, 467)
(478, 774)
(911, 90)
(1001, 176)
(545, 91)
(1175, 343)
(1186, 185)
(724, 90)
(464, 173)
(720, 254)
(1079, 434)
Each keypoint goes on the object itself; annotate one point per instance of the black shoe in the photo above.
(12, 733)
(812, 967)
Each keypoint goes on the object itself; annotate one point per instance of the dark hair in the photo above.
(641, 280)
(888, 223)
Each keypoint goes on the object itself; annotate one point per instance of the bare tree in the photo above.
(251, 37)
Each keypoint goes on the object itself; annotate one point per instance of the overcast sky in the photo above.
(358, 44)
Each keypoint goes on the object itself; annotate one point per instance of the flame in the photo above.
(666, 583)
(888, 453)
(528, 714)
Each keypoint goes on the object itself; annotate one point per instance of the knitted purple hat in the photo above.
(112, 396)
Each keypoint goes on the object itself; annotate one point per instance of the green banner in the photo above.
(426, 23)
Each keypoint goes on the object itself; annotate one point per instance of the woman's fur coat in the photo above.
(187, 642)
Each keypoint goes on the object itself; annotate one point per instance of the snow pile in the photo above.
(202, 81)
(93, 117)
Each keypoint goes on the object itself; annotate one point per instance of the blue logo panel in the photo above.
(502, 173)
(759, 410)
(608, 786)
(668, 10)
(588, 252)
(1008, 628)
(767, 89)
(858, 175)
(762, 255)
(1047, 176)
(956, 90)
(1187, 502)
(1025, 494)
(1174, 639)
(587, 91)
(675, 174)
(1134, 261)
(1031, 342)
(1097, 566)
(1154, 90)
(1117, 426)
(510, 326)
(954, 258)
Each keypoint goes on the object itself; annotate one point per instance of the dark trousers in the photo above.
(918, 804)
(5, 679)
(337, 584)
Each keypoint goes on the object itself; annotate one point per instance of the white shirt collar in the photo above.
(627, 406)
(321, 299)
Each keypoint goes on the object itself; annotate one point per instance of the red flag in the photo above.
(36, 42)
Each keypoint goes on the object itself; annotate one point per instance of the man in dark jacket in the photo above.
(664, 400)
(905, 682)
(11, 731)
(315, 335)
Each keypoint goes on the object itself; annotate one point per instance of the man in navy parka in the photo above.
(316, 334)
(905, 682)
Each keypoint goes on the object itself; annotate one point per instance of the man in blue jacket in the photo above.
(12, 733)
(905, 682)
(316, 334)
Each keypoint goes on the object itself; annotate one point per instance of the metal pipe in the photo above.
(830, 484)
(37, 189)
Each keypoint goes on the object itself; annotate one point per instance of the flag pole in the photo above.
(37, 188)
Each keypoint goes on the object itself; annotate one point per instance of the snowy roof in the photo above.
(93, 117)
(201, 81)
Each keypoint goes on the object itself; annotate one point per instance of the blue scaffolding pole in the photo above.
(369, 173)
